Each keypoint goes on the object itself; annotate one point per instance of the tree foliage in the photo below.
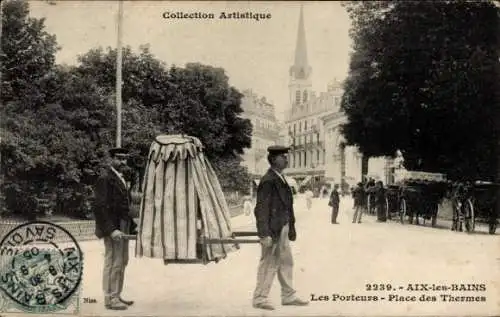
(28, 53)
(232, 175)
(196, 100)
(203, 104)
(423, 80)
(59, 121)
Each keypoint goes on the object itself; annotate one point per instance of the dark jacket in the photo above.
(274, 207)
(112, 204)
(380, 196)
(359, 196)
(334, 199)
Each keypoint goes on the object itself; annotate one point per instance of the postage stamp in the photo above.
(41, 268)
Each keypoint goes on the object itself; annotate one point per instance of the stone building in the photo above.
(312, 128)
(265, 132)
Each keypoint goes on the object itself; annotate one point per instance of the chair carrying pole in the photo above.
(216, 240)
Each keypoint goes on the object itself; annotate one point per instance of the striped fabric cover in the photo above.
(182, 202)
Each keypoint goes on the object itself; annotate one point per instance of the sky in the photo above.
(255, 54)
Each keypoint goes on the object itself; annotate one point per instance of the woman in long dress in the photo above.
(309, 197)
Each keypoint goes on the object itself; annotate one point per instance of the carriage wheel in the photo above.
(368, 204)
(456, 218)
(402, 210)
(492, 227)
(434, 216)
(470, 222)
(387, 211)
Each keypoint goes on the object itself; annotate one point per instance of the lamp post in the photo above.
(292, 147)
(119, 77)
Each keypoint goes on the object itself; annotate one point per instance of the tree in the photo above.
(144, 90)
(201, 103)
(422, 80)
(53, 121)
(196, 100)
(232, 175)
(55, 151)
(27, 55)
(58, 121)
(144, 76)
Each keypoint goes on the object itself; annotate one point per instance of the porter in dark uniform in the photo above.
(112, 215)
(276, 228)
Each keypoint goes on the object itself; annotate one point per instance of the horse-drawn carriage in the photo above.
(416, 195)
(376, 198)
(476, 203)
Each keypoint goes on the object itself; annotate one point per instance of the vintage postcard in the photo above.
(249, 158)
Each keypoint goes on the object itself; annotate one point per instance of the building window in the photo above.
(300, 126)
(305, 159)
(294, 128)
(305, 125)
(300, 160)
(317, 156)
(297, 96)
(305, 96)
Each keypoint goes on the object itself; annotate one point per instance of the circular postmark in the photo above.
(41, 266)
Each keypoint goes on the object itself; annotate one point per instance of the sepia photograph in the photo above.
(249, 158)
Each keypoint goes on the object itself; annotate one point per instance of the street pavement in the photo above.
(329, 259)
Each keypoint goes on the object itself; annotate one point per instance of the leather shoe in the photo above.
(295, 302)
(116, 305)
(265, 306)
(127, 302)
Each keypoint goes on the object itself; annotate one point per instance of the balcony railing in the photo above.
(316, 145)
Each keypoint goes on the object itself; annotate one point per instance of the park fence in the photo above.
(81, 230)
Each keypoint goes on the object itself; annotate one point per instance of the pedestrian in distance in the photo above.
(380, 205)
(309, 196)
(358, 194)
(113, 221)
(276, 228)
(370, 189)
(247, 206)
(334, 202)
(324, 192)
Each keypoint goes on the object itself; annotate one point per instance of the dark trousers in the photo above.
(335, 213)
(381, 215)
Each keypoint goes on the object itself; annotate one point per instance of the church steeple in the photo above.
(301, 68)
(300, 72)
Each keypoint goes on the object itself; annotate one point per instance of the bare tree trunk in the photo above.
(497, 209)
(364, 165)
